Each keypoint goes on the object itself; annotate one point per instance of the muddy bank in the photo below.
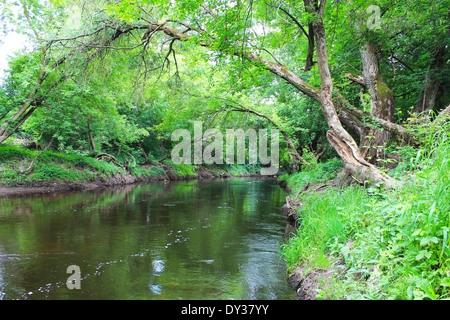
(315, 284)
(45, 187)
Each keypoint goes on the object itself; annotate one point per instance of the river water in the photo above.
(194, 240)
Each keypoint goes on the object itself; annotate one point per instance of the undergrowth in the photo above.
(319, 172)
(52, 165)
(394, 243)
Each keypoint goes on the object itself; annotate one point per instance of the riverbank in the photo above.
(24, 172)
(368, 243)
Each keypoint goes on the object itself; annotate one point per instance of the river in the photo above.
(196, 240)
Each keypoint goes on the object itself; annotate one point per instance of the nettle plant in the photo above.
(402, 248)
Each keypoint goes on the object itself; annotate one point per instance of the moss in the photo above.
(384, 91)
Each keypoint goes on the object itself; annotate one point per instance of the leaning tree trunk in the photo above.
(36, 97)
(339, 138)
(382, 105)
(10, 125)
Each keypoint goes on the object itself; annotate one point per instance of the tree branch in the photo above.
(35, 158)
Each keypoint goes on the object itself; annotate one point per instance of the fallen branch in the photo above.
(442, 115)
(35, 158)
(111, 158)
(134, 160)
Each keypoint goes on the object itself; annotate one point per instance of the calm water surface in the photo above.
(180, 240)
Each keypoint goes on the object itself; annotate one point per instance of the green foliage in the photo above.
(322, 220)
(8, 153)
(319, 172)
(241, 170)
(51, 166)
(127, 97)
(182, 169)
(147, 172)
(399, 246)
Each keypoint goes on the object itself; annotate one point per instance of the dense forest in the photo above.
(357, 89)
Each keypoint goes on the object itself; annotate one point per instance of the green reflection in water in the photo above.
(183, 240)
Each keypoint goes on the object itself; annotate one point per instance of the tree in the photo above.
(251, 35)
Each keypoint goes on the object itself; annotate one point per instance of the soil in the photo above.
(316, 282)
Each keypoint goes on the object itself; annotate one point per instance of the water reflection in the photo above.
(183, 240)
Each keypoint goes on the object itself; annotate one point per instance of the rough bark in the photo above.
(356, 115)
(309, 57)
(382, 104)
(345, 108)
(338, 137)
(429, 95)
(443, 115)
(431, 92)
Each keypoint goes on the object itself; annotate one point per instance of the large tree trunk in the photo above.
(339, 138)
(382, 105)
(431, 92)
(443, 115)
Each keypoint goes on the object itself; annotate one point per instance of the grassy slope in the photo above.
(50, 166)
(395, 244)
(56, 166)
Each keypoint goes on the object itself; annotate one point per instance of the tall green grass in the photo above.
(395, 243)
(182, 169)
(324, 218)
(319, 172)
(319, 219)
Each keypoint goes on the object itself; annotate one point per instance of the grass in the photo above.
(50, 166)
(325, 217)
(395, 244)
(182, 169)
(240, 170)
(147, 171)
(59, 166)
(319, 172)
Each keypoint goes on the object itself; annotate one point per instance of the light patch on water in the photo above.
(155, 288)
(207, 261)
(158, 266)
